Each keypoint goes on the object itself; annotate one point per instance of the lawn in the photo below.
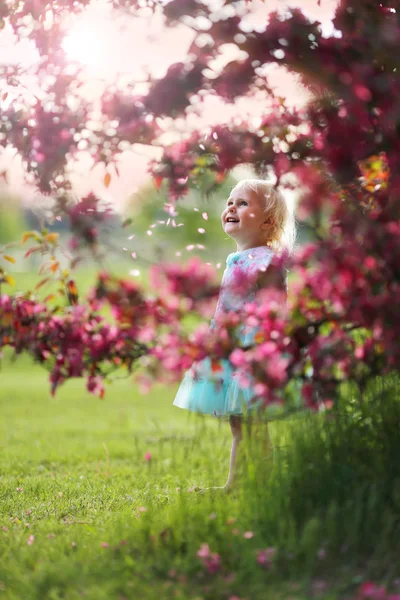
(97, 503)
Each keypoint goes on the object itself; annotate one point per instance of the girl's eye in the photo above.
(244, 202)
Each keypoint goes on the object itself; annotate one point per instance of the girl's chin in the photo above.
(231, 234)
(230, 229)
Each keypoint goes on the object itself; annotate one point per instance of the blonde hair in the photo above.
(283, 234)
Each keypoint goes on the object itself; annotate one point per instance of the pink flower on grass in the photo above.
(148, 456)
(265, 557)
(370, 591)
(211, 560)
(321, 553)
(248, 535)
(204, 551)
(104, 545)
(30, 540)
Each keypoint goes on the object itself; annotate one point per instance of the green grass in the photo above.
(108, 524)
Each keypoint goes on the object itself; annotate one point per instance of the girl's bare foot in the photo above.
(227, 488)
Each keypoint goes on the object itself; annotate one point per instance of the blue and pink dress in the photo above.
(218, 392)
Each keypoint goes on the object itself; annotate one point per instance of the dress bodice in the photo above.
(238, 285)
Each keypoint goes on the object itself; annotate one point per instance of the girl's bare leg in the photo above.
(237, 435)
(235, 422)
(263, 447)
(258, 431)
(266, 442)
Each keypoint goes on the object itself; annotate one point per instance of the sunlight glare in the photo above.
(85, 45)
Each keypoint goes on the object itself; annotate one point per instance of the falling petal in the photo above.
(153, 225)
(125, 249)
(215, 135)
(205, 216)
(168, 222)
(178, 253)
(200, 246)
(133, 254)
(173, 223)
(135, 272)
(196, 209)
(248, 535)
(180, 225)
(131, 237)
(218, 265)
(149, 232)
(201, 230)
(190, 247)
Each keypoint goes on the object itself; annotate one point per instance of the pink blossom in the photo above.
(265, 557)
(371, 591)
(238, 358)
(211, 560)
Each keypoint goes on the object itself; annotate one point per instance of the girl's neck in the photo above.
(250, 245)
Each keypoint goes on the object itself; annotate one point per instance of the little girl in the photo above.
(259, 220)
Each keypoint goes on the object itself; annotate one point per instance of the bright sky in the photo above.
(129, 46)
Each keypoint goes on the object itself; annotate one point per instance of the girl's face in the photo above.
(244, 220)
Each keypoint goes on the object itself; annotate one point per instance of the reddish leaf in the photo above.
(42, 282)
(107, 179)
(31, 251)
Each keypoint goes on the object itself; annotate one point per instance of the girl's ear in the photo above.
(267, 224)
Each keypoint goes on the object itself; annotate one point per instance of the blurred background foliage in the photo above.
(147, 231)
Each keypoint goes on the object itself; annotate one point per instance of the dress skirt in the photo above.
(213, 387)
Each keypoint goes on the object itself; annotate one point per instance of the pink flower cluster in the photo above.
(210, 560)
(266, 557)
(372, 591)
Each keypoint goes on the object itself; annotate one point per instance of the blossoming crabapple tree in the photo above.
(343, 149)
